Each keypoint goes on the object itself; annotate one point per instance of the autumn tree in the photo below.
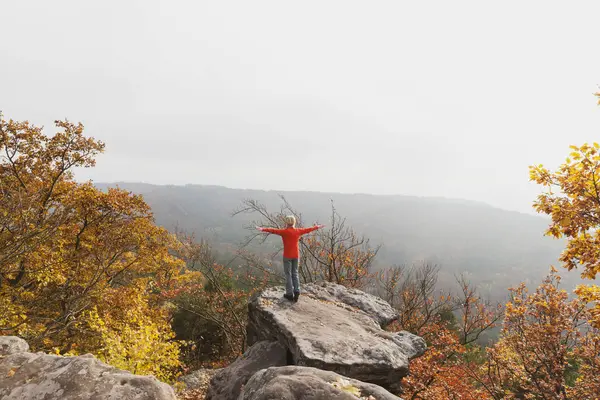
(35, 172)
(476, 314)
(212, 311)
(78, 265)
(334, 254)
(547, 349)
(571, 197)
(413, 291)
(450, 322)
(549, 343)
(338, 254)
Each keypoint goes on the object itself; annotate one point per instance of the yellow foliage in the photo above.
(141, 343)
(591, 294)
(78, 266)
(543, 343)
(572, 199)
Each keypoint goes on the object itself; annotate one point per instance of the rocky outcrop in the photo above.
(304, 383)
(227, 384)
(32, 376)
(335, 329)
(329, 345)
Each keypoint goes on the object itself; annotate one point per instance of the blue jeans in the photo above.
(292, 282)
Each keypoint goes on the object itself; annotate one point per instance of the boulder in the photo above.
(305, 383)
(39, 376)
(11, 345)
(412, 345)
(331, 335)
(227, 383)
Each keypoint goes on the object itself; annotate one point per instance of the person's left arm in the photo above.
(304, 231)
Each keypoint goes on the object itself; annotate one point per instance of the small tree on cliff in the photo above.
(335, 254)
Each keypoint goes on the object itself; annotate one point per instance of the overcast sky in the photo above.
(429, 98)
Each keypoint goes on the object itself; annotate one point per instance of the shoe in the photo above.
(289, 297)
(296, 295)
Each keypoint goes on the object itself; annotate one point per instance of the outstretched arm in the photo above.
(304, 231)
(274, 231)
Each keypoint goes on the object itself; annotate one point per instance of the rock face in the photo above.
(11, 345)
(303, 383)
(227, 384)
(335, 329)
(33, 376)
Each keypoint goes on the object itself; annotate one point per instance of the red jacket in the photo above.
(290, 237)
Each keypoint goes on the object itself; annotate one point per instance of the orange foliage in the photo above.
(450, 324)
(441, 373)
(547, 349)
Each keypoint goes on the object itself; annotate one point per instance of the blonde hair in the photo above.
(290, 220)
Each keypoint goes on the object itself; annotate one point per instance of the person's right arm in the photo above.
(274, 231)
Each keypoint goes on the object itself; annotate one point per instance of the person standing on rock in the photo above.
(291, 253)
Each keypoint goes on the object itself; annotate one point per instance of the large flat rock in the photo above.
(303, 383)
(39, 376)
(377, 308)
(333, 336)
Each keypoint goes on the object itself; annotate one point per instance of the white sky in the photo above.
(431, 98)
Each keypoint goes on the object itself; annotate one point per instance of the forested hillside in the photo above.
(497, 248)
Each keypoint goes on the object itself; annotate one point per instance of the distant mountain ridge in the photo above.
(141, 187)
(497, 248)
